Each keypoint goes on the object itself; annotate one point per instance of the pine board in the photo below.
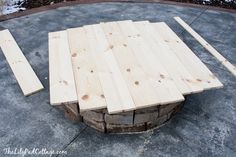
(89, 90)
(206, 45)
(24, 74)
(61, 77)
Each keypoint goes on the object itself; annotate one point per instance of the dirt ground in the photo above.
(38, 3)
(231, 4)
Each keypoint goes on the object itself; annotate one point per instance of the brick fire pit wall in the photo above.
(133, 121)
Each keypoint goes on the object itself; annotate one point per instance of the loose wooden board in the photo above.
(206, 45)
(25, 76)
(61, 77)
(190, 61)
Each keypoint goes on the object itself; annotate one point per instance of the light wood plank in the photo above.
(163, 54)
(191, 62)
(89, 90)
(145, 88)
(62, 84)
(159, 79)
(206, 45)
(116, 92)
(25, 76)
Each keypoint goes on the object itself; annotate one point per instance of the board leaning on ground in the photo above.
(124, 66)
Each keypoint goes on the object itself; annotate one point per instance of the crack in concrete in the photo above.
(75, 137)
(182, 35)
(197, 17)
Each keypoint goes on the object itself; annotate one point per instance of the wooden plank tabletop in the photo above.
(125, 65)
(25, 75)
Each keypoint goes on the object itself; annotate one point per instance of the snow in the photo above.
(228, 1)
(11, 6)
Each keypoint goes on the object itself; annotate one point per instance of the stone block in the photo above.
(165, 109)
(71, 112)
(101, 110)
(92, 115)
(112, 128)
(159, 121)
(100, 126)
(145, 117)
(122, 118)
(147, 110)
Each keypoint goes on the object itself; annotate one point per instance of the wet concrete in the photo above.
(205, 127)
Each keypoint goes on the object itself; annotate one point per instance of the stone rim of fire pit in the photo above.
(134, 121)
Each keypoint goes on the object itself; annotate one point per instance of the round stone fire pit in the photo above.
(133, 121)
(123, 66)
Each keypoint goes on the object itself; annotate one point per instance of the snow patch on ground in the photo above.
(11, 6)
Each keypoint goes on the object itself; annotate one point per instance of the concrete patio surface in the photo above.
(206, 126)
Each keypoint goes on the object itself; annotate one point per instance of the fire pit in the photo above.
(126, 76)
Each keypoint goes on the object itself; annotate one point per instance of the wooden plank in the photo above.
(163, 54)
(61, 78)
(89, 90)
(206, 45)
(116, 92)
(26, 77)
(145, 88)
(191, 62)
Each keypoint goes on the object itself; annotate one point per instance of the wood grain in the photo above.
(190, 61)
(185, 82)
(25, 75)
(89, 90)
(61, 77)
(115, 89)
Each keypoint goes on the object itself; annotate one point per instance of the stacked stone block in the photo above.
(133, 121)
